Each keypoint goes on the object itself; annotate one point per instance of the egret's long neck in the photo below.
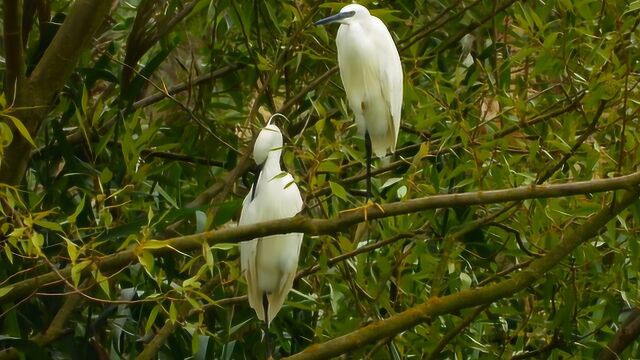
(272, 164)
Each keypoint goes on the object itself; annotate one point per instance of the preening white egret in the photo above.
(371, 74)
(269, 264)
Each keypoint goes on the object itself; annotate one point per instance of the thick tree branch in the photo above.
(60, 58)
(468, 298)
(14, 58)
(114, 262)
(34, 96)
(627, 334)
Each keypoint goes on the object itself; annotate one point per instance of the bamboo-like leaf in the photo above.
(21, 128)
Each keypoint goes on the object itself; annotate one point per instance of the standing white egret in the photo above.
(269, 264)
(371, 74)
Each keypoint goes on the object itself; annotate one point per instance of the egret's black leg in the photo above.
(367, 145)
(267, 338)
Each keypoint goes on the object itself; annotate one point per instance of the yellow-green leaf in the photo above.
(102, 281)
(49, 225)
(72, 218)
(5, 290)
(151, 319)
(72, 250)
(7, 251)
(208, 256)
(76, 271)
(154, 244)
(173, 313)
(338, 190)
(37, 240)
(147, 261)
(21, 128)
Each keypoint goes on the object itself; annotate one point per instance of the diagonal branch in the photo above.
(112, 263)
(60, 58)
(469, 298)
(152, 99)
(627, 334)
(457, 330)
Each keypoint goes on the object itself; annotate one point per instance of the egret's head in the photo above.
(269, 139)
(348, 14)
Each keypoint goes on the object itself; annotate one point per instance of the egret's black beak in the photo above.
(337, 17)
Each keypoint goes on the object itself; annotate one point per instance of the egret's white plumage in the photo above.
(269, 264)
(371, 74)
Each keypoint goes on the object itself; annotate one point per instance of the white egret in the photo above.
(269, 264)
(371, 74)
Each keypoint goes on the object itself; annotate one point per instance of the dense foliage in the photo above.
(145, 136)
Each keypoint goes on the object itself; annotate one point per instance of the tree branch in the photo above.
(55, 330)
(14, 58)
(152, 99)
(34, 96)
(555, 342)
(468, 298)
(627, 334)
(153, 347)
(457, 330)
(60, 58)
(310, 270)
(111, 263)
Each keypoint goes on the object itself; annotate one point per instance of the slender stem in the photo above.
(151, 99)
(457, 330)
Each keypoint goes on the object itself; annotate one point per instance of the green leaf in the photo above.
(21, 128)
(151, 319)
(154, 244)
(37, 240)
(338, 190)
(72, 250)
(72, 218)
(103, 281)
(173, 313)
(5, 290)
(208, 256)
(8, 252)
(49, 225)
(147, 261)
(76, 271)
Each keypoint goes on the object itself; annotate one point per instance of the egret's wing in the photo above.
(288, 204)
(352, 69)
(390, 75)
(289, 269)
(291, 194)
(248, 252)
